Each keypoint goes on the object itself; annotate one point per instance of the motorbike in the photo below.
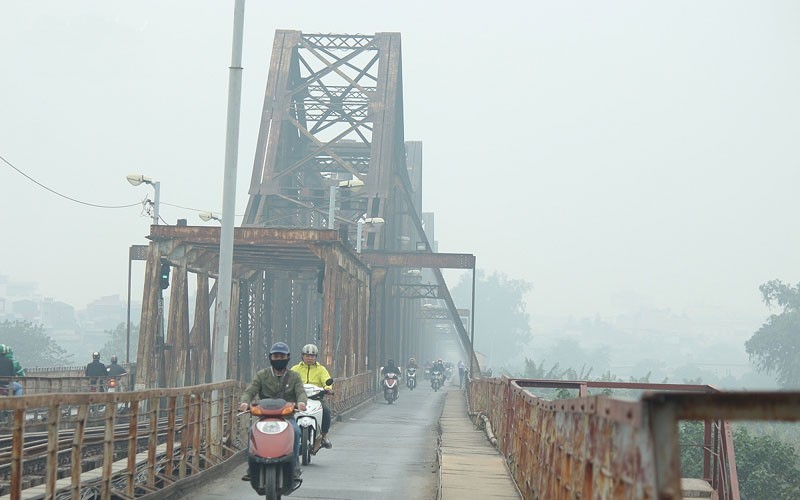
(310, 421)
(112, 384)
(270, 454)
(411, 378)
(437, 379)
(390, 388)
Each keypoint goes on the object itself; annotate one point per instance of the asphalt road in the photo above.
(379, 451)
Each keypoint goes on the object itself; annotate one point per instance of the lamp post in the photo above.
(207, 216)
(136, 179)
(354, 185)
(374, 222)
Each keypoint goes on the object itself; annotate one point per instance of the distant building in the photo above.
(105, 313)
(57, 315)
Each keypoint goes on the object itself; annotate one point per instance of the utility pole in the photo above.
(222, 316)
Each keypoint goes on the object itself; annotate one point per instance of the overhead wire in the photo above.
(143, 202)
(63, 195)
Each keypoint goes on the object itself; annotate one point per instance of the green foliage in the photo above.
(32, 347)
(766, 466)
(775, 346)
(117, 343)
(502, 325)
(690, 437)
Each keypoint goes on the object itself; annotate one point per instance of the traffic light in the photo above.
(164, 276)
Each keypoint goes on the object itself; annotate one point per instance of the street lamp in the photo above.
(354, 185)
(207, 216)
(136, 179)
(374, 222)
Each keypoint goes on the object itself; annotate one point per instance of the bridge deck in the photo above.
(470, 466)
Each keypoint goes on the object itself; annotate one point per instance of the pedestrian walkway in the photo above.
(470, 466)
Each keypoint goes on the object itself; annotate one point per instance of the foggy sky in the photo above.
(614, 154)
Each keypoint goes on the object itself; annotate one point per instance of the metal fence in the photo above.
(62, 440)
(597, 446)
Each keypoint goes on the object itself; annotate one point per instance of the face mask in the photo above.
(279, 364)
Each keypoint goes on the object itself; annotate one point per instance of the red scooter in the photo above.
(390, 387)
(271, 450)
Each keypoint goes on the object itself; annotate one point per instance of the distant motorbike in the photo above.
(112, 384)
(310, 421)
(270, 454)
(437, 379)
(411, 378)
(390, 387)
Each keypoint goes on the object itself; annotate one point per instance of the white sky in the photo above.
(612, 153)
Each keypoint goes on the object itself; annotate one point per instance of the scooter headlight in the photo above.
(272, 426)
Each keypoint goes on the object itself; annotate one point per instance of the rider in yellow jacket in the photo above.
(311, 372)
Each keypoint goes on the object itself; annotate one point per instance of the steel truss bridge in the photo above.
(332, 113)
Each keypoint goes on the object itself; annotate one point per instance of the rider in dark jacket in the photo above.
(391, 367)
(97, 370)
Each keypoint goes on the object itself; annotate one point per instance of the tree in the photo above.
(766, 466)
(32, 347)
(502, 325)
(117, 343)
(775, 346)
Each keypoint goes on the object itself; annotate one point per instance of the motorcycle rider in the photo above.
(8, 353)
(278, 381)
(97, 370)
(312, 372)
(412, 363)
(391, 367)
(6, 372)
(115, 370)
(438, 366)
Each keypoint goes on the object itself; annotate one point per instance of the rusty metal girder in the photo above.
(434, 313)
(419, 260)
(417, 291)
(254, 248)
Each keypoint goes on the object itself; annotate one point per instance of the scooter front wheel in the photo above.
(271, 482)
(306, 445)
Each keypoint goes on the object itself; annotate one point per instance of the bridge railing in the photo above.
(121, 444)
(603, 447)
(126, 444)
(48, 384)
(351, 391)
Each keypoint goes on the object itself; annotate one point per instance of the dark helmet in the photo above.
(390, 362)
(114, 358)
(279, 348)
(96, 355)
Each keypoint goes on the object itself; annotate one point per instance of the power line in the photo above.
(63, 195)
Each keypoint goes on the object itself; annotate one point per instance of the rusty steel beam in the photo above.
(417, 291)
(419, 260)
(435, 313)
(667, 409)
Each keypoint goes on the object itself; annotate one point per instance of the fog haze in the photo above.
(617, 155)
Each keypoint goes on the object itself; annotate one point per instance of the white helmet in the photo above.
(310, 349)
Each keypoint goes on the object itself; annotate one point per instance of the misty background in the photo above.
(636, 163)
